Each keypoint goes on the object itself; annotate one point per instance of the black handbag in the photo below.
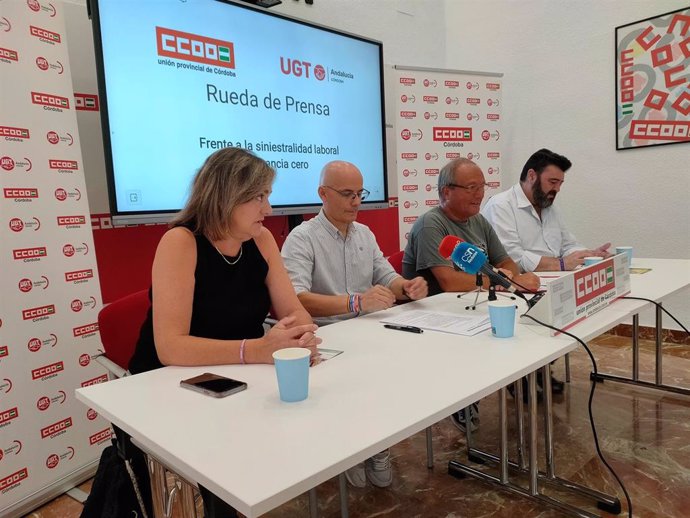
(121, 486)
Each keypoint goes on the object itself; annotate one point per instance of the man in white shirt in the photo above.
(529, 226)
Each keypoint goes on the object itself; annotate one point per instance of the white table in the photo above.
(256, 452)
(667, 276)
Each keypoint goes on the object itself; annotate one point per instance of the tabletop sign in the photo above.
(579, 294)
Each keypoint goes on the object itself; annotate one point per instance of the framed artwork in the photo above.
(653, 81)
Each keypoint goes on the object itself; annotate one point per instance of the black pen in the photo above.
(409, 329)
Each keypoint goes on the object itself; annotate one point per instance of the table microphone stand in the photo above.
(480, 289)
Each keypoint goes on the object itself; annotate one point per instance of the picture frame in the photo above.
(652, 71)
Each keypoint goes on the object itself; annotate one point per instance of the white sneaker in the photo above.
(379, 470)
(356, 475)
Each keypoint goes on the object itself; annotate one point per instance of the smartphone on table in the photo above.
(213, 385)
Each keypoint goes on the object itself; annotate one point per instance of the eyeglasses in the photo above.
(472, 189)
(362, 194)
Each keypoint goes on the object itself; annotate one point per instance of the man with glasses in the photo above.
(461, 187)
(339, 272)
(530, 228)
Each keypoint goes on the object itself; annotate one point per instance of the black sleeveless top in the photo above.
(230, 301)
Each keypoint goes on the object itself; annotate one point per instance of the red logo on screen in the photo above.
(42, 63)
(193, 47)
(84, 360)
(43, 403)
(53, 137)
(408, 156)
(430, 99)
(452, 84)
(493, 86)
(407, 80)
(319, 72)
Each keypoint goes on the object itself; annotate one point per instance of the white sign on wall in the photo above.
(49, 282)
(442, 115)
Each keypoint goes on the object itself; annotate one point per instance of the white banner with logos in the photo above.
(442, 115)
(49, 283)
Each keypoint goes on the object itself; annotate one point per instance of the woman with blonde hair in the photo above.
(216, 274)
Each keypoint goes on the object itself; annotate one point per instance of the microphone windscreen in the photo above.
(468, 257)
(447, 245)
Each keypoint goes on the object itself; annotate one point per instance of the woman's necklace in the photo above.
(231, 263)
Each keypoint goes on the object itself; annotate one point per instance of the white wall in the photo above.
(558, 59)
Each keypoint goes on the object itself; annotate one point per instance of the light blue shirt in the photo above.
(320, 260)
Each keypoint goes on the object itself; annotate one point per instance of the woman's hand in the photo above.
(285, 334)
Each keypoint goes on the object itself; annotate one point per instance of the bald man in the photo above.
(339, 272)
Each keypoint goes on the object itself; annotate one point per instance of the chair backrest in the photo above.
(119, 324)
(396, 261)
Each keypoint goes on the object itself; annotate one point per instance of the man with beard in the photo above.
(530, 228)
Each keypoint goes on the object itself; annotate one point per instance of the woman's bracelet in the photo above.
(560, 260)
(244, 342)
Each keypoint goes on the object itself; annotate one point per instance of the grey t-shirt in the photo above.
(421, 252)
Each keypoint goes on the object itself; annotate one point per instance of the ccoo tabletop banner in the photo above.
(49, 283)
(442, 115)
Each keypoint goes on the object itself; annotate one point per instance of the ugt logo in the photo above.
(297, 68)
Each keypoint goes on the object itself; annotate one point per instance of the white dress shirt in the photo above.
(525, 236)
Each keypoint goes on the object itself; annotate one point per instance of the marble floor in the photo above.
(644, 434)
